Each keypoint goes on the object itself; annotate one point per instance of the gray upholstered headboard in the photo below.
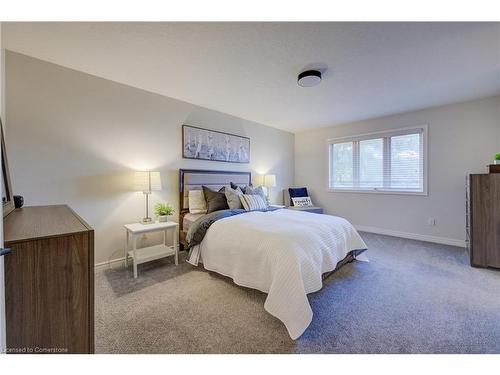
(194, 179)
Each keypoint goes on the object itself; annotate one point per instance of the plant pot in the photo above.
(496, 162)
(163, 218)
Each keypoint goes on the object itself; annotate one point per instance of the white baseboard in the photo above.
(412, 236)
(362, 228)
(109, 263)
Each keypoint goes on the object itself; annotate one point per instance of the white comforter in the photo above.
(283, 253)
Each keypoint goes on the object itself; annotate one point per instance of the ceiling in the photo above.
(249, 69)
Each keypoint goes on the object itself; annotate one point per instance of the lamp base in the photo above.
(268, 200)
(147, 219)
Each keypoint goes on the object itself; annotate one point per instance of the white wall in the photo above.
(498, 83)
(2, 291)
(75, 138)
(462, 139)
(498, 116)
(2, 74)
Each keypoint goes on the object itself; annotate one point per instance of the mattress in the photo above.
(189, 219)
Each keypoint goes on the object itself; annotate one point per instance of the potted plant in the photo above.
(163, 211)
(497, 159)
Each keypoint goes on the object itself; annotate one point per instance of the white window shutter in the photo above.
(392, 161)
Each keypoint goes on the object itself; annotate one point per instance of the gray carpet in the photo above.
(413, 297)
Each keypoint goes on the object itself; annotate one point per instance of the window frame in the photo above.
(381, 134)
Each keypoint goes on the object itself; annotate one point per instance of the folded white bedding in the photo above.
(283, 253)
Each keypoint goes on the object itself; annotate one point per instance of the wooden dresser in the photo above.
(49, 281)
(483, 219)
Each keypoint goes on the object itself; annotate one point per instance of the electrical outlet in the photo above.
(431, 221)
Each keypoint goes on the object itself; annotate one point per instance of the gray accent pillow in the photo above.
(216, 200)
(255, 191)
(234, 186)
(233, 197)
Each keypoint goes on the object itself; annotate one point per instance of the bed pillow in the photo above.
(233, 197)
(297, 193)
(216, 200)
(252, 202)
(197, 203)
(255, 191)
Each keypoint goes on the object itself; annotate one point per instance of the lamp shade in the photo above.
(269, 180)
(147, 181)
(258, 179)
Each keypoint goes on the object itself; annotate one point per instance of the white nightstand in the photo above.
(146, 254)
(312, 209)
(276, 206)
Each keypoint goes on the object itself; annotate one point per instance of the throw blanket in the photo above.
(283, 253)
(199, 228)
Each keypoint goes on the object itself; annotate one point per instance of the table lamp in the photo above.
(147, 181)
(269, 182)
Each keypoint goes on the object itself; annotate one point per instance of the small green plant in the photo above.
(163, 209)
(497, 156)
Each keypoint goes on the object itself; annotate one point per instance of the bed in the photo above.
(194, 179)
(284, 253)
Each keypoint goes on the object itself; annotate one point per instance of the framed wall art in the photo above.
(205, 144)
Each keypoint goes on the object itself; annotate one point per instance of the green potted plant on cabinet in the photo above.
(163, 211)
(496, 160)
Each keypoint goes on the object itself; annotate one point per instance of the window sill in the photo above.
(379, 191)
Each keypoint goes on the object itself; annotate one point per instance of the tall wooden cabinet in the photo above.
(483, 219)
(49, 281)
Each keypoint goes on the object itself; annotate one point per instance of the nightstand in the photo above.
(147, 254)
(312, 209)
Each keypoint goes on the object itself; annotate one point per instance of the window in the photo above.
(380, 162)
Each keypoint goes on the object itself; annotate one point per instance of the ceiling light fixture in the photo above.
(309, 78)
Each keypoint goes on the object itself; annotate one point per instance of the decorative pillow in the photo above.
(302, 202)
(197, 204)
(233, 197)
(255, 191)
(297, 193)
(216, 200)
(234, 186)
(252, 202)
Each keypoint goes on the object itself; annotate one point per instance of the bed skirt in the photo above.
(350, 257)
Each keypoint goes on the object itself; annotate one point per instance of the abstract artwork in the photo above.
(204, 144)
